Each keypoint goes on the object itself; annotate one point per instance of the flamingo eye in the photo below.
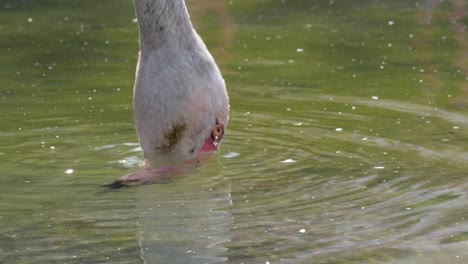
(217, 133)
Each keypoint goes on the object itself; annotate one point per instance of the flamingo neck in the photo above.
(162, 21)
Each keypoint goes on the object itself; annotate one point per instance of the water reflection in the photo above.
(177, 224)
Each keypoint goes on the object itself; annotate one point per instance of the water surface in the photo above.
(347, 141)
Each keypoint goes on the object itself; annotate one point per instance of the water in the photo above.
(347, 141)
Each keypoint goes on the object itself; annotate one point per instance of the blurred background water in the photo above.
(347, 141)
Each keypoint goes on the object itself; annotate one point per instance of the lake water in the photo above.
(347, 141)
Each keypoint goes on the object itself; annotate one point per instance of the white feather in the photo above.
(179, 92)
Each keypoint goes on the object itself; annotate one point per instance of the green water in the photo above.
(347, 141)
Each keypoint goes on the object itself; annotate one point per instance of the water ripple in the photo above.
(307, 190)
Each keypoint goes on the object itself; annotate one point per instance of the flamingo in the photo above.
(180, 101)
